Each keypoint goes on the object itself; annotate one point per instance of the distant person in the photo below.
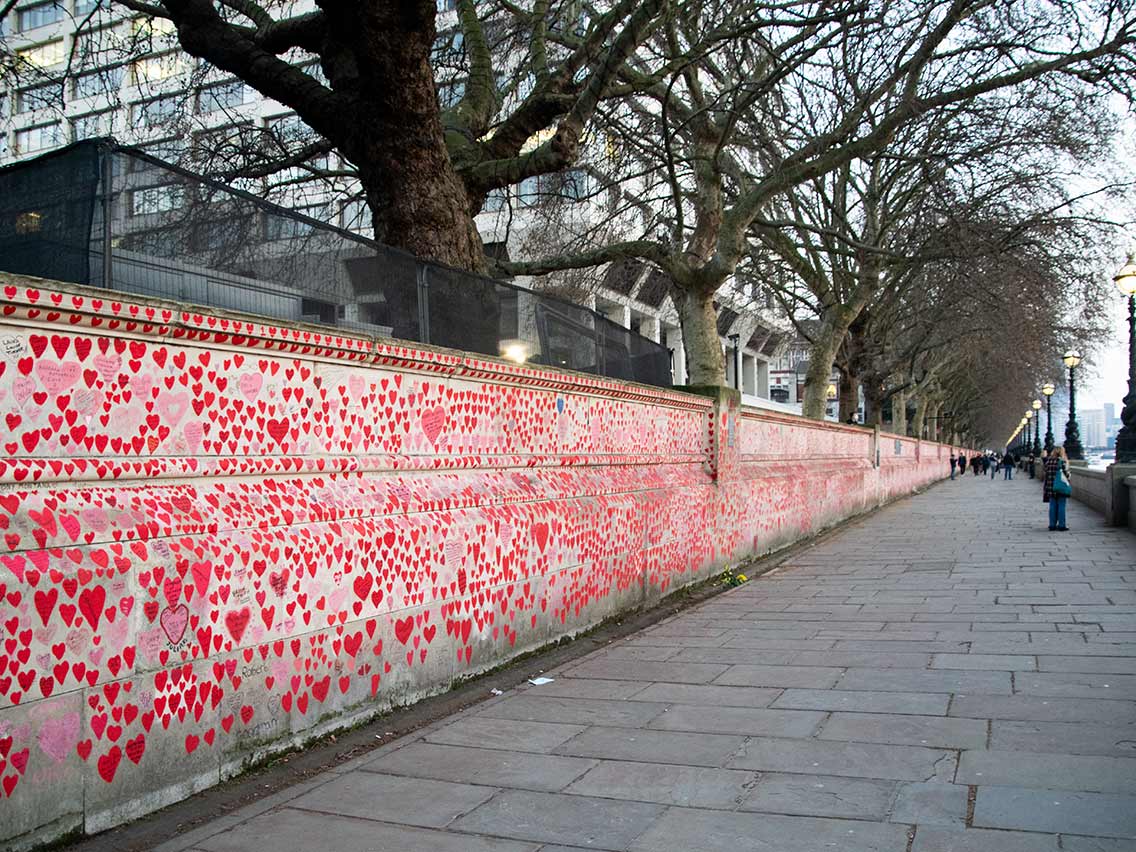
(985, 464)
(1030, 461)
(995, 463)
(975, 464)
(1056, 489)
(954, 463)
(962, 464)
(1008, 461)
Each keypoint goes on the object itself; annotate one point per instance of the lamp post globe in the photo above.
(1047, 390)
(1036, 406)
(1073, 449)
(1125, 281)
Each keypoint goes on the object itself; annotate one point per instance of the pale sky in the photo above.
(1106, 380)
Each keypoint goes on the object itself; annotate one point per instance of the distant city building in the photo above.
(1092, 423)
(92, 83)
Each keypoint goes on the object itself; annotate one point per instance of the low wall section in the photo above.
(223, 538)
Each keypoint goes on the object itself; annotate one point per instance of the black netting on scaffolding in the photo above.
(100, 214)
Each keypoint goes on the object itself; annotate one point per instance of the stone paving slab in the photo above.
(710, 831)
(1104, 814)
(288, 830)
(497, 768)
(666, 784)
(916, 703)
(894, 729)
(1048, 771)
(556, 818)
(946, 647)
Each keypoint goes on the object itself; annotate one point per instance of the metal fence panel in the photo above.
(101, 214)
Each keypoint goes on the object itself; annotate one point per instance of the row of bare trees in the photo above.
(897, 171)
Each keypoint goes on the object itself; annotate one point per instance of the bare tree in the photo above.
(804, 90)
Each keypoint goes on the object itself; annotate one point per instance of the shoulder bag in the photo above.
(1061, 486)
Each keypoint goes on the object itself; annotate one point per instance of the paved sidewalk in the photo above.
(944, 676)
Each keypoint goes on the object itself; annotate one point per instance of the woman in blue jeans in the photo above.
(1055, 461)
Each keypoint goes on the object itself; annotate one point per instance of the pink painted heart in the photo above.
(58, 736)
(250, 384)
(432, 422)
(57, 377)
(174, 621)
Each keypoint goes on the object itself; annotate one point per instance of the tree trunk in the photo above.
(397, 141)
(920, 416)
(822, 355)
(873, 403)
(849, 397)
(899, 413)
(699, 320)
(934, 428)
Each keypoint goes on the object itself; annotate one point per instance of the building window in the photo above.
(85, 7)
(92, 125)
(151, 69)
(496, 200)
(156, 199)
(225, 96)
(160, 112)
(356, 216)
(280, 227)
(39, 15)
(39, 97)
(97, 83)
(166, 149)
(447, 5)
(288, 127)
(44, 55)
(38, 138)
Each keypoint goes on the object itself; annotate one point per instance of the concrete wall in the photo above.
(223, 538)
(1090, 486)
(1130, 484)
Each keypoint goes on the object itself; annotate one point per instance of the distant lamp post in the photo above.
(1047, 390)
(1036, 406)
(1126, 438)
(1073, 448)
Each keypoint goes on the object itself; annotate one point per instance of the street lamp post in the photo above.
(1073, 447)
(1036, 406)
(1047, 390)
(1029, 443)
(1126, 438)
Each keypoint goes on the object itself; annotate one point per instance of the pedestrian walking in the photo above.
(975, 464)
(954, 463)
(1056, 488)
(1008, 465)
(995, 463)
(962, 465)
(1030, 461)
(985, 464)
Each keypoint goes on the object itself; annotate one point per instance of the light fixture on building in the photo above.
(516, 351)
(29, 223)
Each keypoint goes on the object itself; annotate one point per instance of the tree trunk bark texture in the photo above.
(699, 319)
(822, 355)
(849, 396)
(418, 201)
(899, 413)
